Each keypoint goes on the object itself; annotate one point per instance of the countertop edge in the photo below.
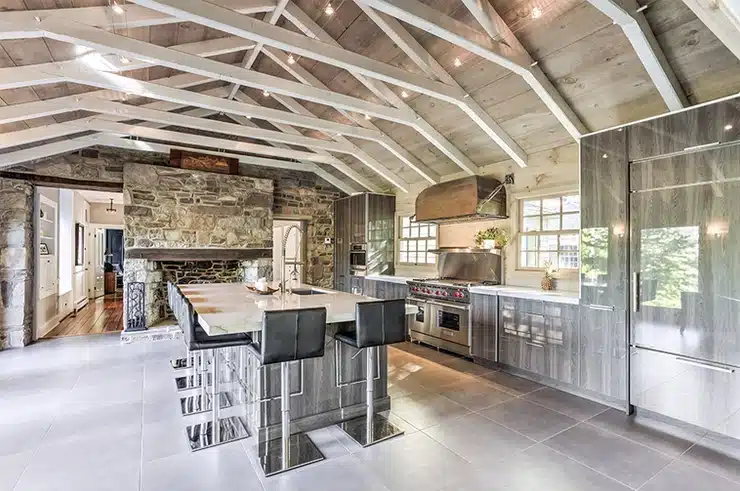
(401, 280)
(572, 298)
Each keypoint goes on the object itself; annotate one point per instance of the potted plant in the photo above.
(490, 238)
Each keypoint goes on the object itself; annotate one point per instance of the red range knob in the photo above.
(444, 294)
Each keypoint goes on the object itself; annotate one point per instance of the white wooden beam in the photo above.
(429, 65)
(626, 15)
(360, 154)
(514, 58)
(720, 17)
(10, 159)
(251, 57)
(337, 164)
(262, 32)
(132, 16)
(105, 41)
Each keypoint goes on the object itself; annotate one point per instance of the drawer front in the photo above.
(522, 341)
(602, 352)
(561, 334)
(699, 393)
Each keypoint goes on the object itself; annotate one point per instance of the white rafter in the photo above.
(722, 17)
(105, 41)
(133, 16)
(430, 66)
(514, 58)
(251, 57)
(635, 26)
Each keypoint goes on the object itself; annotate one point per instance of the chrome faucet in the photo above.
(283, 262)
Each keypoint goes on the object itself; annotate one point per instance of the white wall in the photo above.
(66, 250)
(47, 267)
(100, 216)
(550, 171)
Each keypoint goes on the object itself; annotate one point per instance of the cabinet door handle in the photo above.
(594, 306)
(635, 292)
(716, 368)
(532, 343)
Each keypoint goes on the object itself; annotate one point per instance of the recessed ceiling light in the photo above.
(536, 13)
(125, 60)
(458, 62)
(329, 9)
(728, 127)
(367, 116)
(265, 93)
(291, 60)
(605, 156)
(117, 8)
(404, 94)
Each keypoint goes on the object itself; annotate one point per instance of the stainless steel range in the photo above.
(444, 319)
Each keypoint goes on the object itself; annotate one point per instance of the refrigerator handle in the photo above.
(635, 292)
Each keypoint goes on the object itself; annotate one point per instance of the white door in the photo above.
(98, 260)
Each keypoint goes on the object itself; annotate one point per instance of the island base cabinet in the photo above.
(603, 352)
(693, 391)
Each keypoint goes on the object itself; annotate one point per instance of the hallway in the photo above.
(102, 315)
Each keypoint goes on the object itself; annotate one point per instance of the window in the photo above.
(414, 240)
(549, 228)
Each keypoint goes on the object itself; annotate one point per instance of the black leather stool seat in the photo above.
(203, 341)
(377, 323)
(289, 335)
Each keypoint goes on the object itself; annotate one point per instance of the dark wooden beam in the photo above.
(63, 182)
(160, 254)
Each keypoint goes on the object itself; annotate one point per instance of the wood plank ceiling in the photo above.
(587, 57)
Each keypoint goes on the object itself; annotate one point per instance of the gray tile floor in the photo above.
(86, 413)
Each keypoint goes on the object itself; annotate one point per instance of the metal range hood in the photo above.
(462, 200)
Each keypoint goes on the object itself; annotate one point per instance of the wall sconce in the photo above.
(718, 228)
(619, 230)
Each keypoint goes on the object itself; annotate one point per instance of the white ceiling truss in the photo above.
(95, 28)
(722, 17)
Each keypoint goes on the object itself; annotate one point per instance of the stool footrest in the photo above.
(202, 435)
(181, 363)
(202, 403)
(369, 433)
(195, 381)
(300, 451)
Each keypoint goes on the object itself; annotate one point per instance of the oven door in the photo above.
(419, 322)
(450, 322)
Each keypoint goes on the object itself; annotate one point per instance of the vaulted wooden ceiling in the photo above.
(441, 86)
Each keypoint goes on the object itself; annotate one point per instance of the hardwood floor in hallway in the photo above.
(101, 315)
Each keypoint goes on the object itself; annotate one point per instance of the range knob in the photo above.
(437, 292)
(444, 294)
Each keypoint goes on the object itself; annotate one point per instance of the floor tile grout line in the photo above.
(589, 467)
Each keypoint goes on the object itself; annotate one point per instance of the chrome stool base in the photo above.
(368, 433)
(201, 436)
(181, 364)
(202, 403)
(300, 451)
(195, 381)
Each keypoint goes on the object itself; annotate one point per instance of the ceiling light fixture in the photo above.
(265, 93)
(536, 13)
(110, 209)
(367, 116)
(329, 9)
(117, 8)
(404, 94)
(728, 127)
(291, 60)
(125, 60)
(458, 62)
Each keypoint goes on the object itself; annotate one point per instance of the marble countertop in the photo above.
(389, 278)
(225, 308)
(572, 298)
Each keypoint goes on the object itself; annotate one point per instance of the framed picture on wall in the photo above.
(79, 244)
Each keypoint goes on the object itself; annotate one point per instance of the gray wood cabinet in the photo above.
(539, 337)
(385, 290)
(604, 228)
(603, 352)
(342, 221)
(484, 324)
(716, 123)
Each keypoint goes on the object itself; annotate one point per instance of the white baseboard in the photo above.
(48, 326)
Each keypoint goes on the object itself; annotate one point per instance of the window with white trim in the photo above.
(548, 231)
(415, 239)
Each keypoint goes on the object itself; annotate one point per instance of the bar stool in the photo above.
(173, 297)
(218, 430)
(289, 335)
(377, 324)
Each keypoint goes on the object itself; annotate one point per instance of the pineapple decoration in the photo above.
(548, 281)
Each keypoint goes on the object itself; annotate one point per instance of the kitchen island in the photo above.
(325, 390)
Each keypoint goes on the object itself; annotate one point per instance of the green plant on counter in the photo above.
(496, 234)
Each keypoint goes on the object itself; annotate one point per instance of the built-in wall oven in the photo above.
(358, 259)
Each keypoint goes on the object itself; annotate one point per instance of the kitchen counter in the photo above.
(225, 308)
(567, 297)
(401, 280)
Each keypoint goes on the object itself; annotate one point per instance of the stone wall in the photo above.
(16, 263)
(166, 207)
(303, 195)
